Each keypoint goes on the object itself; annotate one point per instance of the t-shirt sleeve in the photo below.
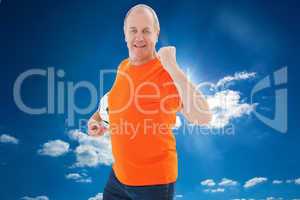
(103, 107)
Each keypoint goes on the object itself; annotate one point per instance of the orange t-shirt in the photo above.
(142, 111)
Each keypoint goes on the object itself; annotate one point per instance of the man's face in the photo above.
(141, 35)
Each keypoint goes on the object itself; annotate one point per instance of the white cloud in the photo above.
(239, 199)
(216, 190)
(236, 77)
(242, 199)
(73, 176)
(99, 196)
(79, 178)
(227, 182)
(54, 148)
(268, 198)
(208, 182)
(86, 155)
(178, 196)
(254, 181)
(297, 181)
(35, 198)
(4, 138)
(226, 105)
(277, 182)
(274, 198)
(92, 151)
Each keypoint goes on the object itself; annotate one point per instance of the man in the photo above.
(148, 90)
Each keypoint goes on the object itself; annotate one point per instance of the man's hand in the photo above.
(167, 57)
(95, 128)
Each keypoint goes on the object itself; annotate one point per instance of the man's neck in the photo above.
(143, 61)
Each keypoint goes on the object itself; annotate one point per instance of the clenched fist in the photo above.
(167, 57)
(96, 128)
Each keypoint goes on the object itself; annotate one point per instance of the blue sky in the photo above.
(232, 45)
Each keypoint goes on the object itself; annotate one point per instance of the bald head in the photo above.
(143, 9)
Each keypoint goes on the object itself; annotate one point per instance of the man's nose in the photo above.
(139, 37)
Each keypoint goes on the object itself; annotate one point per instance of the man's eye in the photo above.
(133, 31)
(147, 31)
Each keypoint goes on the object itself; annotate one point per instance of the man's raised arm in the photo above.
(195, 107)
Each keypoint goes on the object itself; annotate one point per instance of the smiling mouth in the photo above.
(139, 46)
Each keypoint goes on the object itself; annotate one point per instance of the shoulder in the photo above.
(123, 64)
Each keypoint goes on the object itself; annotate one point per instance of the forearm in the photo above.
(194, 103)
